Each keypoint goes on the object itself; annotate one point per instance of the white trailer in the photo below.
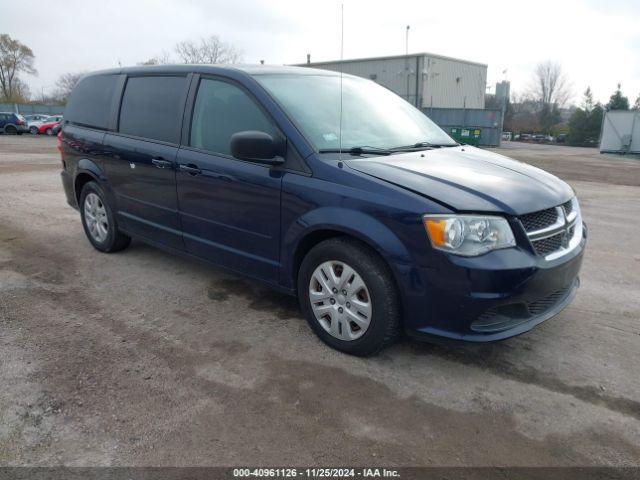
(620, 132)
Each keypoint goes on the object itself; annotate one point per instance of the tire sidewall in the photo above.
(383, 301)
(33, 130)
(109, 242)
(49, 131)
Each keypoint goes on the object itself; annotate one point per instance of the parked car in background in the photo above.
(34, 122)
(378, 223)
(47, 127)
(12, 123)
(561, 138)
(36, 117)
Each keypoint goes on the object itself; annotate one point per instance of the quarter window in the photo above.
(91, 100)
(152, 108)
(222, 109)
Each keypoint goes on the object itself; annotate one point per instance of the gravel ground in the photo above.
(143, 358)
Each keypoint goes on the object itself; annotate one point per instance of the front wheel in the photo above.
(348, 296)
(98, 220)
(33, 130)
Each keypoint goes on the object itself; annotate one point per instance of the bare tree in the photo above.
(208, 50)
(15, 58)
(65, 84)
(157, 60)
(21, 92)
(550, 85)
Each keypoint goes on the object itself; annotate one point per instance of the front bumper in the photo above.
(492, 297)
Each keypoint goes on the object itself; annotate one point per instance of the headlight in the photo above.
(468, 235)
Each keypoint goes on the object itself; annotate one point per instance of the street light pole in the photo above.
(407, 40)
(406, 62)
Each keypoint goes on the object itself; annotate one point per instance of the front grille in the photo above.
(548, 245)
(508, 316)
(548, 230)
(539, 220)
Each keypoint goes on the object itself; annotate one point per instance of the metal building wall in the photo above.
(390, 72)
(425, 80)
(450, 83)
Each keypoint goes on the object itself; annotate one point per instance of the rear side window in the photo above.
(152, 107)
(222, 109)
(91, 101)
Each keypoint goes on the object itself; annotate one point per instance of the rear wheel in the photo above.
(49, 132)
(348, 296)
(10, 130)
(99, 221)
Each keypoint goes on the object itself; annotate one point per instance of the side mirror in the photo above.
(257, 147)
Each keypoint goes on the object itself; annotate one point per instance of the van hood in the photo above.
(469, 179)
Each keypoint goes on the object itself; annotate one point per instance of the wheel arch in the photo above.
(87, 171)
(326, 223)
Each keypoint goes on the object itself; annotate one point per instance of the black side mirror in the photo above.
(257, 147)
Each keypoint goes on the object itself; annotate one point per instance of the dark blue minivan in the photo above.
(327, 187)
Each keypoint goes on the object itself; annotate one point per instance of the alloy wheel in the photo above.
(95, 217)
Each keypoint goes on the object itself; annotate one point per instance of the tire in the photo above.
(48, 131)
(33, 130)
(94, 205)
(10, 130)
(378, 296)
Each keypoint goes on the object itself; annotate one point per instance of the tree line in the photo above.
(17, 59)
(540, 109)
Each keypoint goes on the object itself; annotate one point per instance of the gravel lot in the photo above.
(143, 358)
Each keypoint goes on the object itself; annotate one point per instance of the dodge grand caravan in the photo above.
(332, 189)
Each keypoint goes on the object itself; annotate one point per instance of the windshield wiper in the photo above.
(422, 146)
(364, 150)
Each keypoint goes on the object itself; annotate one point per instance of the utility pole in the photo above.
(406, 50)
(406, 62)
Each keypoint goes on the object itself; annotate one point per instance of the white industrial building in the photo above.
(424, 79)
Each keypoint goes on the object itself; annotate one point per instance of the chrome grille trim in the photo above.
(567, 227)
(551, 230)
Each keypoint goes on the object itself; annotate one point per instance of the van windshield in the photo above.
(372, 116)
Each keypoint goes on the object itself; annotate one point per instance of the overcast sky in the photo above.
(596, 42)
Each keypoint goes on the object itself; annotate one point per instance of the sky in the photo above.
(596, 42)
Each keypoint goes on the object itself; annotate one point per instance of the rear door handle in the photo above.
(161, 163)
(191, 169)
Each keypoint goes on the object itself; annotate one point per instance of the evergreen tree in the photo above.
(618, 101)
(585, 123)
(587, 101)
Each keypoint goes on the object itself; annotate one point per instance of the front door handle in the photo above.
(161, 163)
(191, 169)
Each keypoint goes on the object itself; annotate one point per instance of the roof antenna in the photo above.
(341, 66)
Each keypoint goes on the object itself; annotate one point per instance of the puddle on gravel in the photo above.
(258, 297)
